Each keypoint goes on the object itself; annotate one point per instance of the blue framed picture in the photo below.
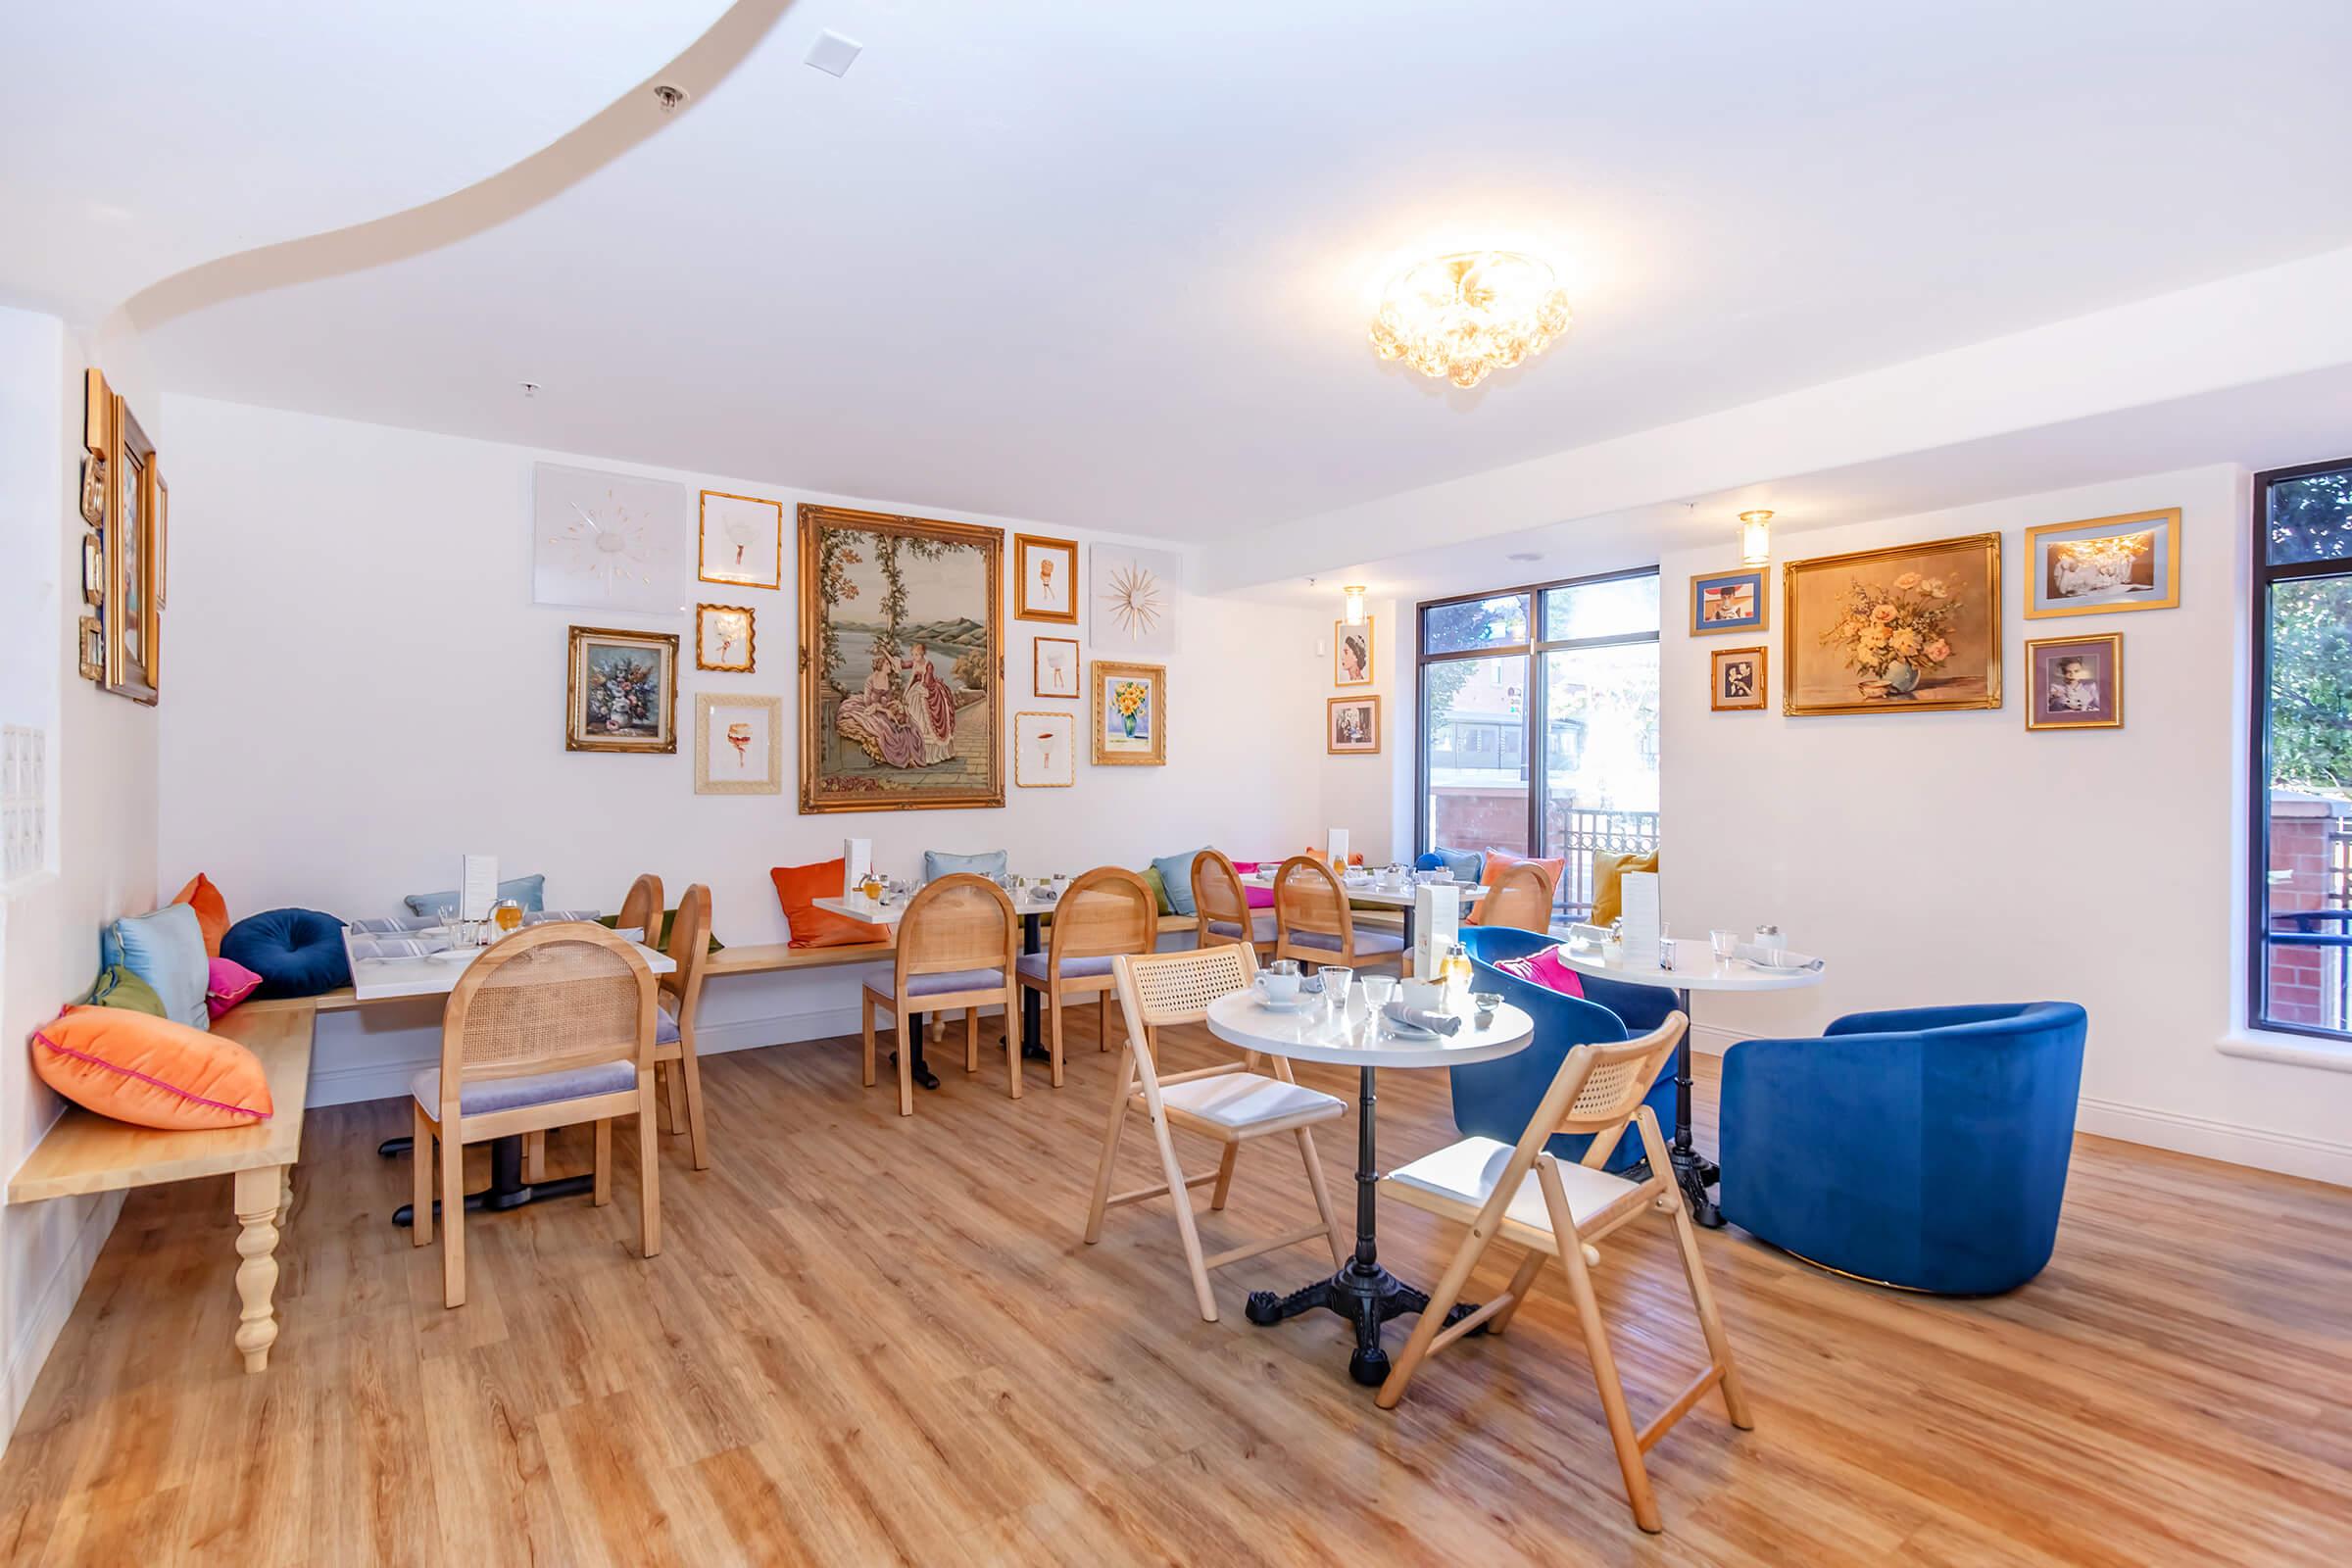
(1727, 601)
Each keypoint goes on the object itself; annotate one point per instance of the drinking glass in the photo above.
(1335, 980)
(1379, 989)
(447, 916)
(1724, 941)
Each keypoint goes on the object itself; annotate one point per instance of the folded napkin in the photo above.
(397, 946)
(394, 925)
(1774, 958)
(551, 916)
(1440, 1023)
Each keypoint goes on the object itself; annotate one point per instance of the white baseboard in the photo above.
(53, 1305)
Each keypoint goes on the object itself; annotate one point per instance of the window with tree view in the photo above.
(2301, 961)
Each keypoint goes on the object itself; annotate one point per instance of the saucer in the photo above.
(1295, 1004)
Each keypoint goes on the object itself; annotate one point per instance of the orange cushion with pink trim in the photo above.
(1502, 860)
(211, 910)
(150, 1071)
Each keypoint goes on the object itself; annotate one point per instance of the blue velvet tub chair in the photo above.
(1496, 1098)
(1924, 1148)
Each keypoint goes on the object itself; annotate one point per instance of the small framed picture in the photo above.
(1045, 751)
(621, 691)
(738, 744)
(1130, 714)
(1735, 680)
(742, 541)
(724, 637)
(1353, 725)
(1045, 572)
(2074, 682)
(1727, 601)
(1053, 666)
(1352, 654)
(2128, 562)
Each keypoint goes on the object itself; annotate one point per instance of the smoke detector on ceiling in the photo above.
(833, 54)
(671, 99)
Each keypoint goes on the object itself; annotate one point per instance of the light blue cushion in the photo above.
(1366, 942)
(1176, 870)
(935, 985)
(164, 949)
(1261, 926)
(939, 863)
(665, 1026)
(1466, 865)
(528, 891)
(537, 1089)
(1033, 964)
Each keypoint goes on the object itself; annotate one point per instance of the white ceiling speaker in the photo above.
(833, 54)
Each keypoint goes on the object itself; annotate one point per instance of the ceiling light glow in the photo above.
(1464, 315)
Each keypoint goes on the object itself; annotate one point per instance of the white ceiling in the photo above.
(1111, 265)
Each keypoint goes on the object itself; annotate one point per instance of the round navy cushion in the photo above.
(296, 953)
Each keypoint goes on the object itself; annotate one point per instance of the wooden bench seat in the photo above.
(87, 1152)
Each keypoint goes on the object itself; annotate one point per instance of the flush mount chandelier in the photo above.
(1468, 314)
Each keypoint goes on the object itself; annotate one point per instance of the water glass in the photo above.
(447, 916)
(1379, 989)
(1724, 941)
(1336, 978)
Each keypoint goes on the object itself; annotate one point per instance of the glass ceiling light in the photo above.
(1356, 603)
(1462, 315)
(1755, 538)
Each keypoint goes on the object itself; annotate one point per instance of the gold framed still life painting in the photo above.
(621, 693)
(1912, 628)
(900, 662)
(1130, 714)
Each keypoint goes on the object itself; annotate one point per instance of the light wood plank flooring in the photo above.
(872, 1340)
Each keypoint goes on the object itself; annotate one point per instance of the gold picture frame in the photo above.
(1353, 645)
(1035, 559)
(744, 718)
(614, 700)
(729, 624)
(1351, 726)
(2103, 565)
(2088, 698)
(1842, 653)
(1075, 687)
(1723, 675)
(132, 612)
(1051, 738)
(1128, 733)
(754, 526)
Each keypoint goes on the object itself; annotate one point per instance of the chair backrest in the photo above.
(1599, 1088)
(1521, 896)
(546, 999)
(643, 909)
(689, 947)
(963, 921)
(1108, 910)
(1164, 988)
(1217, 891)
(1308, 897)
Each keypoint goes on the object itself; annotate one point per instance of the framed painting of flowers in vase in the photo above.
(1131, 713)
(1914, 628)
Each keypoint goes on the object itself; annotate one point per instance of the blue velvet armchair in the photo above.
(1496, 1098)
(1924, 1148)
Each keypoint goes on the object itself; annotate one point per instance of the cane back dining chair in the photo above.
(1231, 1103)
(552, 1025)
(958, 943)
(1521, 898)
(642, 909)
(1523, 1196)
(677, 1066)
(1105, 912)
(1313, 924)
(1222, 905)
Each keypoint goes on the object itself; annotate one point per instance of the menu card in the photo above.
(1336, 848)
(477, 887)
(1638, 893)
(857, 858)
(1437, 926)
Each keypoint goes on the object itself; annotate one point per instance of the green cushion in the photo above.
(1160, 887)
(117, 987)
(670, 917)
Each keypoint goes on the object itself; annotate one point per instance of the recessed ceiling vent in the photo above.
(833, 54)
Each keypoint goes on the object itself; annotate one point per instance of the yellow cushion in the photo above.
(1608, 903)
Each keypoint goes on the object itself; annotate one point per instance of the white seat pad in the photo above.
(1244, 1100)
(1468, 1171)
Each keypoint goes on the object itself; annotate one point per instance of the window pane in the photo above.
(1474, 724)
(1474, 623)
(1602, 759)
(1610, 608)
(2307, 964)
(2311, 519)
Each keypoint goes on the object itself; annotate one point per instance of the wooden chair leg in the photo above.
(1012, 1039)
(1054, 1030)
(1432, 1320)
(690, 1071)
(971, 1038)
(672, 1095)
(1522, 1282)
(603, 1192)
(1314, 1181)
(1216, 1194)
(1102, 1021)
(1710, 1324)
(1111, 1151)
(453, 1218)
(1596, 1345)
(865, 1024)
(648, 1170)
(906, 1063)
(420, 1188)
(534, 1157)
(1181, 1197)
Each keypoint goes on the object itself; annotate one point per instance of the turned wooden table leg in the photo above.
(258, 1198)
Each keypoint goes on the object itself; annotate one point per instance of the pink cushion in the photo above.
(1247, 866)
(1545, 968)
(229, 984)
(1259, 898)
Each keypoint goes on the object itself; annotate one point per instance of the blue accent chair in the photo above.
(1924, 1148)
(1496, 1098)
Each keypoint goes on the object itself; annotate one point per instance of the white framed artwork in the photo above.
(738, 744)
(1053, 666)
(741, 541)
(1045, 751)
(1132, 600)
(607, 541)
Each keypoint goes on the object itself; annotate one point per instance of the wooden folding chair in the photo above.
(1231, 1103)
(1523, 1196)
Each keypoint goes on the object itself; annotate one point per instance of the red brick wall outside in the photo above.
(1480, 817)
(2305, 984)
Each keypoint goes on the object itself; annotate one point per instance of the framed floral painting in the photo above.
(1351, 725)
(1130, 714)
(623, 691)
(1913, 629)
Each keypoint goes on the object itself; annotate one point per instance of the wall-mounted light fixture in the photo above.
(1356, 603)
(1755, 538)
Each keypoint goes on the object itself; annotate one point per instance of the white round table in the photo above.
(1693, 1172)
(1362, 1292)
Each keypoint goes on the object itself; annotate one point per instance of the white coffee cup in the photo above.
(1426, 996)
(1280, 982)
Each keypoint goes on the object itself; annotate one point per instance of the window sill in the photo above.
(2296, 1050)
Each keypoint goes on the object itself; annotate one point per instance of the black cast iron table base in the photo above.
(507, 1188)
(1364, 1299)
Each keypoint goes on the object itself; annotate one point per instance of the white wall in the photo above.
(1370, 795)
(102, 752)
(1944, 857)
(362, 690)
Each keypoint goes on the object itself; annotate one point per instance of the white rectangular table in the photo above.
(1401, 899)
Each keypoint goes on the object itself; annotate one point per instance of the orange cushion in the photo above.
(797, 889)
(1502, 860)
(211, 910)
(150, 1071)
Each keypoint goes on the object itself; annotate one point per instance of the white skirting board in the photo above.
(52, 1302)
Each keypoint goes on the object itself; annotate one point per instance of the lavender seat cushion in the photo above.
(1366, 942)
(1261, 926)
(1033, 964)
(940, 984)
(539, 1089)
(665, 1026)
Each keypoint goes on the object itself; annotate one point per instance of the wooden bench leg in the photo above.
(257, 1196)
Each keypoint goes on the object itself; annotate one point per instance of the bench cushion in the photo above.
(150, 1071)
(491, 1095)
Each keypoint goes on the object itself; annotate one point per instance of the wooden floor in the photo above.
(875, 1341)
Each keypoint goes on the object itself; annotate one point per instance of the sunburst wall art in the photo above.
(1133, 601)
(608, 541)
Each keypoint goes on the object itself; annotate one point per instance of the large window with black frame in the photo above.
(2300, 960)
(1539, 723)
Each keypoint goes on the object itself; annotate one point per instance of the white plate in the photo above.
(1295, 1004)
